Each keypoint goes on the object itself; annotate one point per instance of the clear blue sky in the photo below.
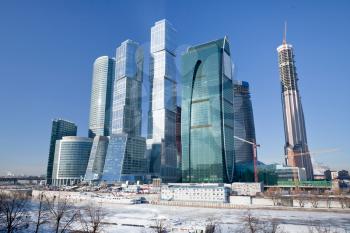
(47, 49)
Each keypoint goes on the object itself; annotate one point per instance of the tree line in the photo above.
(18, 213)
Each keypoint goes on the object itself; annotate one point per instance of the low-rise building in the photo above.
(246, 189)
(331, 175)
(71, 159)
(195, 192)
(343, 175)
(286, 173)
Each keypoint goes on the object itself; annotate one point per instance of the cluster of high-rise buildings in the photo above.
(194, 142)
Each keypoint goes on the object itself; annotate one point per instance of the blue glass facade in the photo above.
(60, 128)
(125, 159)
(127, 96)
(207, 114)
(97, 159)
(245, 129)
(161, 143)
(71, 159)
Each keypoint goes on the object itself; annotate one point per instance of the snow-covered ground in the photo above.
(185, 217)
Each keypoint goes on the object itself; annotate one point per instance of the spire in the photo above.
(285, 33)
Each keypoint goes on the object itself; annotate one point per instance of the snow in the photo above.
(178, 217)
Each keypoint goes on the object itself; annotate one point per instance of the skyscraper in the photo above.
(161, 144)
(71, 159)
(245, 129)
(207, 126)
(60, 128)
(125, 159)
(178, 142)
(97, 158)
(296, 147)
(101, 97)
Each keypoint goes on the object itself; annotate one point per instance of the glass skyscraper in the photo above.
(296, 147)
(60, 128)
(207, 117)
(161, 143)
(97, 159)
(125, 159)
(71, 159)
(244, 128)
(101, 97)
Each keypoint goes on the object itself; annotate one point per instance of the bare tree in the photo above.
(14, 215)
(299, 196)
(347, 202)
(212, 226)
(251, 224)
(42, 215)
(301, 199)
(272, 226)
(275, 195)
(328, 200)
(91, 218)
(314, 199)
(319, 227)
(62, 213)
(159, 226)
(342, 201)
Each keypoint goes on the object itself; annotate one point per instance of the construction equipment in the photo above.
(255, 146)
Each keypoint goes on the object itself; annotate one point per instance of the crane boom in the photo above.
(255, 146)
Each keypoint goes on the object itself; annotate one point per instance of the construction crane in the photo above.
(255, 159)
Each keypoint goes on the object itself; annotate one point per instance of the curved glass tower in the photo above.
(296, 147)
(101, 97)
(71, 158)
(244, 128)
(207, 114)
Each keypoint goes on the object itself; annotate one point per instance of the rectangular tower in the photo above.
(161, 144)
(207, 114)
(60, 128)
(125, 159)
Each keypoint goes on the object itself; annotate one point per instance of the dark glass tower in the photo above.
(60, 128)
(207, 113)
(245, 129)
(296, 147)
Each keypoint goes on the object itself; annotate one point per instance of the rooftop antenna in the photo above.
(285, 33)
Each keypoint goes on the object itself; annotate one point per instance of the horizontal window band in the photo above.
(200, 126)
(200, 100)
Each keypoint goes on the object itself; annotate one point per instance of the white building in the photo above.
(247, 189)
(195, 192)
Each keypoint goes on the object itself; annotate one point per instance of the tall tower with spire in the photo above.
(296, 147)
